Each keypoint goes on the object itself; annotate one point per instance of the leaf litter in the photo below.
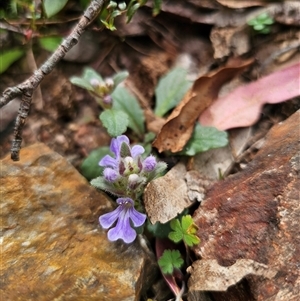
(214, 163)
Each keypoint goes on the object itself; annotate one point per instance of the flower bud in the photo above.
(149, 163)
(110, 174)
(95, 82)
(133, 181)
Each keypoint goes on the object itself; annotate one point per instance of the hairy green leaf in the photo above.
(114, 121)
(85, 80)
(90, 166)
(170, 90)
(203, 139)
(52, 7)
(119, 77)
(126, 102)
(81, 82)
(89, 74)
(8, 57)
(50, 43)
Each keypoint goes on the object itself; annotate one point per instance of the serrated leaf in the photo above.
(186, 222)
(115, 121)
(191, 240)
(90, 167)
(52, 7)
(184, 230)
(169, 260)
(203, 139)
(176, 235)
(50, 43)
(170, 90)
(9, 57)
(126, 102)
(119, 77)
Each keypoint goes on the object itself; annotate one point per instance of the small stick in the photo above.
(27, 88)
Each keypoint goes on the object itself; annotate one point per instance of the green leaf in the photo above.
(169, 260)
(101, 183)
(176, 235)
(50, 43)
(89, 74)
(90, 167)
(158, 229)
(9, 57)
(126, 102)
(52, 7)
(147, 143)
(85, 80)
(119, 77)
(132, 8)
(114, 121)
(156, 7)
(203, 139)
(170, 90)
(81, 82)
(185, 230)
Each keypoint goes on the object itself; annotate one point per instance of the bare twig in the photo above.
(27, 88)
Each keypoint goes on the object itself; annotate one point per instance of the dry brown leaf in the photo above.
(179, 126)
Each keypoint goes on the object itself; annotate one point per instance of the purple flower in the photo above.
(107, 99)
(149, 163)
(115, 147)
(110, 174)
(123, 214)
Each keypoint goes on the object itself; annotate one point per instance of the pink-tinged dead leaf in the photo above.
(242, 107)
(208, 275)
(241, 4)
(179, 126)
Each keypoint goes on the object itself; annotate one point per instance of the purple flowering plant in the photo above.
(126, 175)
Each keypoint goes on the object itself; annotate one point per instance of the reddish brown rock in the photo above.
(255, 215)
(52, 247)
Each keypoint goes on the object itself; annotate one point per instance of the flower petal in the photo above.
(122, 201)
(137, 150)
(149, 163)
(110, 174)
(106, 220)
(122, 230)
(115, 145)
(136, 217)
(108, 161)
